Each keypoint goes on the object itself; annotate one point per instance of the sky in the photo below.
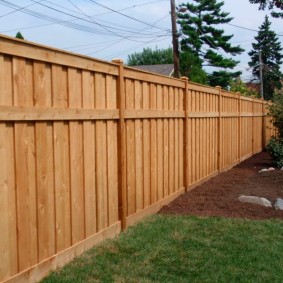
(109, 29)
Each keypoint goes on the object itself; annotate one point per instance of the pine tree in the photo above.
(208, 43)
(271, 59)
(19, 35)
(276, 6)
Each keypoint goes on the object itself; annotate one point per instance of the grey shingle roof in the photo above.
(164, 69)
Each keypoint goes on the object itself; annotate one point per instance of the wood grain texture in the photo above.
(87, 145)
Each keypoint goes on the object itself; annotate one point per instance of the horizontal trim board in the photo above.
(40, 270)
(229, 166)
(230, 95)
(201, 88)
(147, 114)
(246, 157)
(223, 114)
(203, 114)
(246, 114)
(152, 209)
(12, 113)
(201, 181)
(246, 98)
(30, 50)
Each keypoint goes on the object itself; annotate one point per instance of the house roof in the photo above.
(254, 86)
(162, 69)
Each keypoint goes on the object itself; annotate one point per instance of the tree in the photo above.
(151, 57)
(238, 85)
(276, 6)
(19, 35)
(271, 58)
(275, 145)
(201, 38)
(190, 66)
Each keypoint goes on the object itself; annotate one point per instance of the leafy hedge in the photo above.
(275, 145)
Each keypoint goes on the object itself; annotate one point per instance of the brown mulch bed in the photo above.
(219, 195)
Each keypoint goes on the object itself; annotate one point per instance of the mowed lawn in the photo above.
(184, 249)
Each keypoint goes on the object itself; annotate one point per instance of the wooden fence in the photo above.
(88, 147)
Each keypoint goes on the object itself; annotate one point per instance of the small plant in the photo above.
(275, 148)
(276, 113)
(275, 145)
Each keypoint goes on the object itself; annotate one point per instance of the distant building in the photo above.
(254, 86)
(162, 69)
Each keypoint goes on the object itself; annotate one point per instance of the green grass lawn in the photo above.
(184, 249)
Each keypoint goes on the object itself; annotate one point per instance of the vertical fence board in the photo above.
(131, 170)
(44, 165)
(146, 146)
(139, 149)
(70, 179)
(166, 143)
(8, 216)
(76, 159)
(171, 144)
(112, 154)
(89, 156)
(25, 167)
(153, 147)
(61, 161)
(101, 155)
(160, 144)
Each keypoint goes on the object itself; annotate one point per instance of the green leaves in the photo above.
(275, 145)
(272, 57)
(202, 38)
(276, 6)
(275, 148)
(151, 57)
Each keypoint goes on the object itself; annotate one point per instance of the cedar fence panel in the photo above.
(88, 147)
(59, 188)
(154, 122)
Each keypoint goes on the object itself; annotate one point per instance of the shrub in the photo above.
(276, 113)
(275, 148)
(275, 145)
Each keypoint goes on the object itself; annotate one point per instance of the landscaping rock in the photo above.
(255, 200)
(279, 204)
(266, 169)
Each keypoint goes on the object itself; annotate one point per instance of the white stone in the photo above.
(266, 169)
(255, 200)
(279, 204)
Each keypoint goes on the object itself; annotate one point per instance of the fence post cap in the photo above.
(218, 87)
(118, 61)
(184, 78)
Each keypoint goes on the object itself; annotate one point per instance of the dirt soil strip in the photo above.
(219, 196)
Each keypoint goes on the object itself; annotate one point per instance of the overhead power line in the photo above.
(127, 16)
(107, 30)
(20, 8)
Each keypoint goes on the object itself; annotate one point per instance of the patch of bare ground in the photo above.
(219, 195)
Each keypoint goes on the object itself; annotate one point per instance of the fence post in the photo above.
(186, 133)
(263, 124)
(121, 100)
(253, 122)
(239, 126)
(219, 139)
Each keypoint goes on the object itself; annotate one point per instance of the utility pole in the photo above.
(260, 74)
(175, 41)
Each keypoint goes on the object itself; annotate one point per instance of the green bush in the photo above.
(275, 148)
(276, 114)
